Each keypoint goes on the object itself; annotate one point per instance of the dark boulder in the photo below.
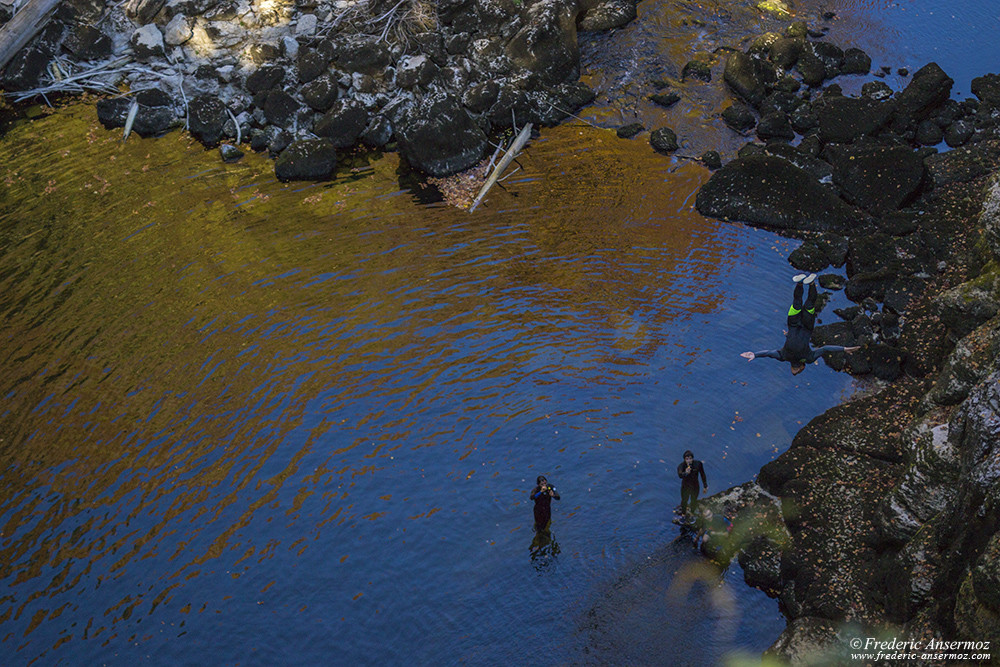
(629, 130)
(831, 55)
(378, 133)
(785, 52)
(812, 69)
(711, 159)
(547, 44)
(320, 93)
(781, 101)
(809, 257)
(987, 88)
(363, 53)
(306, 160)
(607, 15)
(876, 90)
(804, 119)
(663, 140)
(206, 118)
(261, 52)
(25, 69)
(439, 137)
(481, 96)
(312, 63)
(415, 71)
(886, 361)
(153, 97)
(929, 88)
(739, 117)
(87, 42)
(152, 121)
(845, 119)
(820, 170)
(772, 192)
(929, 133)
(112, 112)
(665, 100)
(697, 69)
(749, 77)
(879, 179)
(343, 124)
(900, 293)
(264, 79)
(279, 108)
(775, 125)
(958, 133)
(856, 61)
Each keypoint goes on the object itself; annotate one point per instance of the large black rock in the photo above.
(845, 119)
(772, 192)
(879, 179)
(929, 89)
(306, 160)
(206, 118)
(439, 137)
(343, 124)
(749, 77)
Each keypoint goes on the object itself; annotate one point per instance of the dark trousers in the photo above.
(689, 494)
(800, 315)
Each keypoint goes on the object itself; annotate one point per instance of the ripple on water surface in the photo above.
(249, 420)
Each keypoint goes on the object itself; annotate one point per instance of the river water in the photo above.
(247, 422)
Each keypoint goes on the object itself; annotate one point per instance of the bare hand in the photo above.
(852, 349)
(749, 356)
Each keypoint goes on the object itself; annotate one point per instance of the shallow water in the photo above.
(250, 422)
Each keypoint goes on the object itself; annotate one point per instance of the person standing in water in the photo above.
(542, 494)
(688, 471)
(801, 320)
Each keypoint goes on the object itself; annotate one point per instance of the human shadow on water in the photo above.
(672, 606)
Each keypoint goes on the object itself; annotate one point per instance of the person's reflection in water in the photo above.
(543, 545)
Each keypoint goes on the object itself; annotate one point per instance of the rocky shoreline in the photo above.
(304, 80)
(882, 519)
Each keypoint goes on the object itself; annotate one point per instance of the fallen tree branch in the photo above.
(515, 148)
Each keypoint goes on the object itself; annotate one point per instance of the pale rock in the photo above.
(306, 25)
(178, 30)
(291, 47)
(147, 42)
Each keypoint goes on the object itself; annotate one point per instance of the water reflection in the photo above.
(244, 418)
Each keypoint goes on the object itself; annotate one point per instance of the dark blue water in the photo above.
(254, 423)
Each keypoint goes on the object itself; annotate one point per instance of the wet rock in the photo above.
(25, 69)
(153, 121)
(929, 89)
(812, 69)
(147, 43)
(803, 639)
(320, 93)
(206, 118)
(230, 153)
(785, 52)
(113, 112)
(770, 191)
(343, 124)
(739, 117)
(775, 125)
(547, 45)
(711, 159)
(630, 130)
(87, 42)
(856, 61)
(987, 88)
(749, 77)
(663, 140)
(846, 119)
(820, 170)
(967, 365)
(264, 79)
(879, 179)
(378, 133)
(697, 69)
(876, 90)
(665, 100)
(607, 15)
(780, 101)
(970, 305)
(804, 119)
(439, 137)
(832, 281)
(307, 160)
(831, 55)
(963, 164)
(809, 257)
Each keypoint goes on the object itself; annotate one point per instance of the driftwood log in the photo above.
(26, 23)
(515, 148)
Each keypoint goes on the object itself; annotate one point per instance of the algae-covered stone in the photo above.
(663, 140)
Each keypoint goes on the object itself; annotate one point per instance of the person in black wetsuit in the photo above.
(801, 320)
(688, 471)
(542, 494)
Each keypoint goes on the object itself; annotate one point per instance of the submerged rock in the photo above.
(663, 140)
(307, 160)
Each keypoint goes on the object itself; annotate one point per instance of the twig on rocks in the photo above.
(512, 153)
